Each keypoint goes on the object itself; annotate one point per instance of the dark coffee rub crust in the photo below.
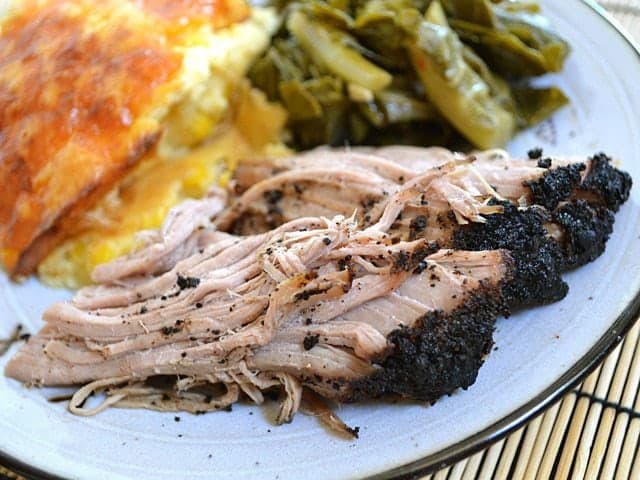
(556, 185)
(586, 229)
(439, 354)
(540, 259)
(606, 181)
(603, 185)
(537, 257)
(444, 351)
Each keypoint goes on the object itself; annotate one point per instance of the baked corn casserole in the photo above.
(111, 113)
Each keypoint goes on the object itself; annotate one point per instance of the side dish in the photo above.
(423, 72)
(112, 112)
(353, 274)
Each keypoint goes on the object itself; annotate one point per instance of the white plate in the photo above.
(540, 352)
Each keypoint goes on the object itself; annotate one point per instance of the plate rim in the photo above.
(506, 425)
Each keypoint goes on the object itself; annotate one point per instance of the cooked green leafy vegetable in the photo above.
(462, 95)
(410, 71)
(329, 47)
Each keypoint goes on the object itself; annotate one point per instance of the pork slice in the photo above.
(261, 207)
(440, 353)
(443, 284)
(222, 265)
(417, 159)
(549, 179)
(476, 179)
(365, 340)
(38, 363)
(388, 162)
(184, 338)
(180, 225)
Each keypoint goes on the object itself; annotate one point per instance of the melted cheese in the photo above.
(90, 89)
(143, 199)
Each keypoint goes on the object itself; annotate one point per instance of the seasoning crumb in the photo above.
(535, 153)
(310, 341)
(187, 282)
(544, 163)
(176, 418)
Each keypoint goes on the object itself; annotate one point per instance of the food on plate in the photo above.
(423, 72)
(398, 298)
(114, 111)
(555, 212)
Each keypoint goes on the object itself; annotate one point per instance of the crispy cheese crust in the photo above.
(81, 85)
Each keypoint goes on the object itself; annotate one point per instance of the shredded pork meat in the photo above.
(354, 274)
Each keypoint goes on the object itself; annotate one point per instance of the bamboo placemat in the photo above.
(593, 432)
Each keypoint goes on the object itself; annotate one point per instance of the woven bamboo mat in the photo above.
(593, 432)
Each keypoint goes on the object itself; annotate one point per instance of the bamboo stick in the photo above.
(635, 473)
(526, 447)
(508, 454)
(575, 428)
(542, 439)
(458, 470)
(490, 462)
(629, 448)
(472, 466)
(593, 418)
(441, 474)
(622, 421)
(630, 442)
(557, 434)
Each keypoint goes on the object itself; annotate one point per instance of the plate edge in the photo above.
(483, 439)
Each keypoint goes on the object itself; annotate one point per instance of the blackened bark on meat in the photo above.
(441, 353)
(538, 258)
(536, 280)
(611, 184)
(556, 185)
(514, 229)
(544, 162)
(586, 231)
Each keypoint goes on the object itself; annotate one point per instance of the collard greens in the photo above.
(410, 71)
